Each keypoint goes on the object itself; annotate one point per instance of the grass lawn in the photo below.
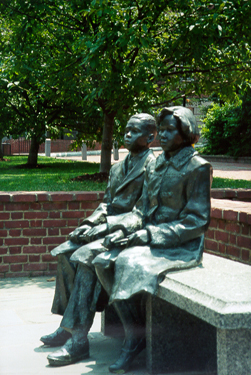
(56, 175)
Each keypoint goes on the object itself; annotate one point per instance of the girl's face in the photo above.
(170, 138)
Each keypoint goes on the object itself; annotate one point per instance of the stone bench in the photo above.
(200, 320)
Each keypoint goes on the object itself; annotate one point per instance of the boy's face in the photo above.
(136, 138)
(170, 138)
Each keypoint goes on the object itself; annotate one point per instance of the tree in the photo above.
(118, 57)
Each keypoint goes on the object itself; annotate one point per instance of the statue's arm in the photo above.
(193, 220)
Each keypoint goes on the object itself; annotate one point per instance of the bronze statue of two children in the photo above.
(152, 221)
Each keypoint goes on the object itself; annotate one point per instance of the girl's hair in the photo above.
(186, 122)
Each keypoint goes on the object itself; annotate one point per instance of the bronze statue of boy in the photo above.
(77, 293)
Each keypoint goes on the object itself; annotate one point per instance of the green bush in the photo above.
(227, 128)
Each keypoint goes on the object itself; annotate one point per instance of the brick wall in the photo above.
(229, 233)
(32, 224)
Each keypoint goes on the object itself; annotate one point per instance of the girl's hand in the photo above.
(139, 238)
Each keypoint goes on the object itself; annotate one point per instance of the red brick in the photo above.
(32, 215)
(4, 216)
(249, 219)
(36, 241)
(65, 231)
(221, 224)
(53, 231)
(35, 267)
(73, 205)
(209, 234)
(53, 266)
(218, 193)
(17, 215)
(244, 194)
(24, 197)
(34, 249)
(54, 206)
(3, 250)
(86, 196)
(34, 258)
(5, 197)
(216, 213)
(3, 233)
(244, 242)
(230, 193)
(16, 267)
(245, 255)
(72, 214)
(16, 241)
(89, 205)
(74, 223)
(38, 232)
(55, 215)
(221, 236)
(43, 197)
(234, 251)
(213, 223)
(230, 215)
(15, 259)
(243, 217)
(36, 207)
(100, 195)
(15, 250)
(53, 240)
(233, 228)
(15, 232)
(4, 267)
(222, 248)
(54, 223)
(36, 223)
(211, 245)
(245, 230)
(17, 207)
(232, 239)
(62, 197)
(17, 224)
(48, 258)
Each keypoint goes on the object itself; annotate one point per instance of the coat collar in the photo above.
(178, 160)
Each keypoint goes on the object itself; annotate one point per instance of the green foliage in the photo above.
(52, 175)
(227, 128)
(84, 65)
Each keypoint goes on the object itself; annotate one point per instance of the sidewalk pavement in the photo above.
(25, 316)
(235, 171)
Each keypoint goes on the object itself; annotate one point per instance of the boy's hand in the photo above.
(78, 235)
(96, 232)
(111, 239)
(139, 238)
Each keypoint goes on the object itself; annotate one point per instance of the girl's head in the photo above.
(185, 121)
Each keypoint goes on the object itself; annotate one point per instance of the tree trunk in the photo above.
(32, 158)
(106, 147)
(1, 150)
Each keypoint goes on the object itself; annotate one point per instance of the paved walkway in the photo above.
(235, 171)
(25, 316)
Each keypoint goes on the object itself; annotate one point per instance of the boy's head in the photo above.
(140, 132)
(186, 122)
